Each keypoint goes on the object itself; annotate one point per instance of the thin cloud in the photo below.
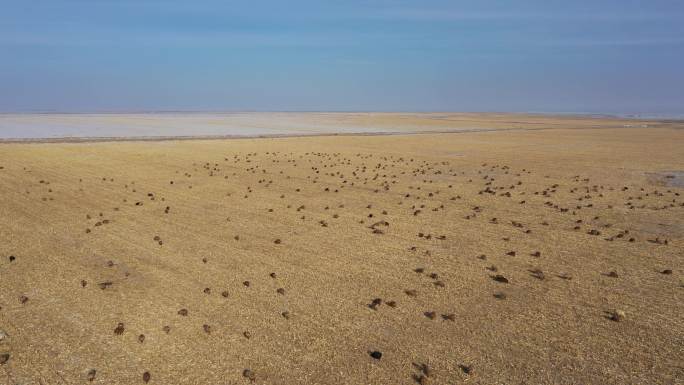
(107, 36)
(636, 42)
(421, 14)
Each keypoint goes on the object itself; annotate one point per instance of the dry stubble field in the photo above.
(517, 257)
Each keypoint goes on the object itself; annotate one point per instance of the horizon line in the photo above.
(608, 114)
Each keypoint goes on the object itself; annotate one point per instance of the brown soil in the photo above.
(512, 257)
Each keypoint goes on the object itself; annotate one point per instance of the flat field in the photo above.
(549, 256)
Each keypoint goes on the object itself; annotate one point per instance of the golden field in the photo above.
(550, 256)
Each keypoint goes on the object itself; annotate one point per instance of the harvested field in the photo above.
(521, 256)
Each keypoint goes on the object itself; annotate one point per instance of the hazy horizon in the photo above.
(33, 126)
(612, 57)
(608, 114)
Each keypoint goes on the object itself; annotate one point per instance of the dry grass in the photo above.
(480, 257)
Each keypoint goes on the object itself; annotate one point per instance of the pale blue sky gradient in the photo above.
(608, 56)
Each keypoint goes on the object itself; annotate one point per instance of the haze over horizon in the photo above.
(620, 57)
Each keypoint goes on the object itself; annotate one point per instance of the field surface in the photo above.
(548, 256)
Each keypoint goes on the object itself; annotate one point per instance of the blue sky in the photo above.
(618, 56)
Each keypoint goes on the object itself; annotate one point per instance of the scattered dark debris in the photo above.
(90, 375)
(537, 273)
(616, 315)
(119, 329)
(500, 278)
(467, 369)
(375, 303)
(248, 374)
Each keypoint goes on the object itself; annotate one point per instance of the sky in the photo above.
(596, 56)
